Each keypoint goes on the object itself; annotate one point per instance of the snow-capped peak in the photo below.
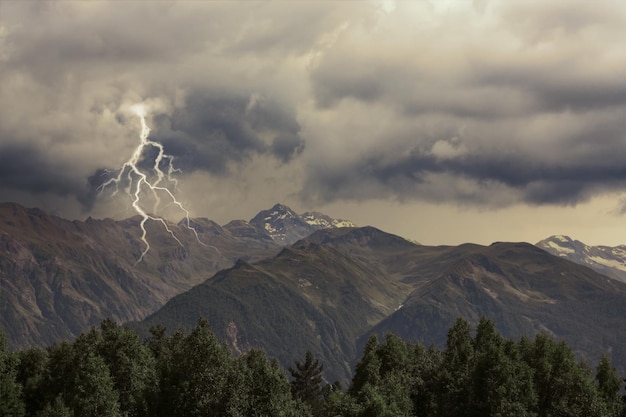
(285, 226)
(607, 260)
(322, 221)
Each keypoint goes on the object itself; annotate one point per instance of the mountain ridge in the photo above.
(58, 277)
(607, 260)
(415, 291)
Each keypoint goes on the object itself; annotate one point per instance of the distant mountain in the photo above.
(331, 290)
(284, 226)
(59, 277)
(608, 260)
(321, 221)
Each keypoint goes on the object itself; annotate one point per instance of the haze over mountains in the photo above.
(288, 283)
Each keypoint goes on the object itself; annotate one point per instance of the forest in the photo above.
(109, 372)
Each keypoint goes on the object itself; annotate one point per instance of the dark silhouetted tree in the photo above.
(307, 382)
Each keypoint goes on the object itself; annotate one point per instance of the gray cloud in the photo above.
(27, 169)
(214, 129)
(490, 104)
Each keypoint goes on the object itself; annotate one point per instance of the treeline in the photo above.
(110, 372)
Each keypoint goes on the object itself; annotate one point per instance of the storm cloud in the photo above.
(212, 130)
(488, 104)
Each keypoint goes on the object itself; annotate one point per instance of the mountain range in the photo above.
(289, 283)
(59, 277)
(330, 291)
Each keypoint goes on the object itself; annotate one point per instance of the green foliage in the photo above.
(56, 409)
(264, 389)
(307, 382)
(94, 394)
(108, 372)
(132, 367)
(455, 374)
(610, 388)
(197, 375)
(11, 403)
(32, 373)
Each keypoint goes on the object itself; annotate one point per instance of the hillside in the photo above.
(328, 292)
(59, 277)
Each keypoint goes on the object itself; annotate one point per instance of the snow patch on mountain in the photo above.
(563, 250)
(612, 263)
(607, 260)
(284, 226)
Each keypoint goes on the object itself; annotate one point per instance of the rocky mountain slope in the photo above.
(59, 277)
(284, 226)
(607, 260)
(331, 290)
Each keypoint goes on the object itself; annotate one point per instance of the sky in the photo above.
(445, 121)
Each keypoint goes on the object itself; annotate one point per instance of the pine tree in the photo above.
(306, 384)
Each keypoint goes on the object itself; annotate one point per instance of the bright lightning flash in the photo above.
(151, 181)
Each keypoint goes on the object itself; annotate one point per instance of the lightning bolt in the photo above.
(153, 181)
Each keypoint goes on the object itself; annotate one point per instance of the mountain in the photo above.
(59, 277)
(284, 226)
(310, 296)
(328, 292)
(607, 260)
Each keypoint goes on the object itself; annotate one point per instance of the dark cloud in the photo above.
(489, 103)
(26, 169)
(214, 129)
(412, 177)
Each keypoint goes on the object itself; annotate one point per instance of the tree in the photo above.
(610, 387)
(424, 368)
(501, 382)
(306, 384)
(382, 381)
(60, 373)
(264, 389)
(454, 377)
(132, 367)
(94, 394)
(367, 369)
(563, 386)
(10, 390)
(32, 374)
(198, 374)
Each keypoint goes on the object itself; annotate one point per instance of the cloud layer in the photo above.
(484, 103)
